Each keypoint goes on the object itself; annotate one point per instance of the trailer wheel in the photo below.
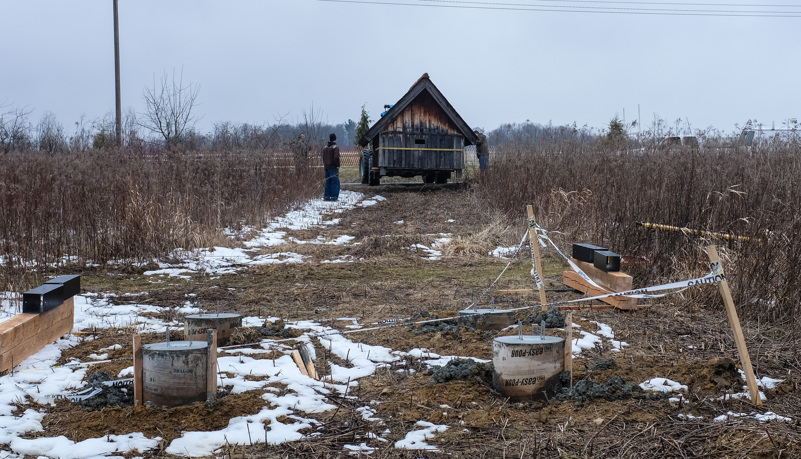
(375, 178)
(430, 177)
(363, 174)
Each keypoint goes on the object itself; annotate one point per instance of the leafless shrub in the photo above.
(50, 134)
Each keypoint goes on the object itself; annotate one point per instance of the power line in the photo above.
(633, 2)
(616, 8)
(456, 4)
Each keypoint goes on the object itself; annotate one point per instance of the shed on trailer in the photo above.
(421, 134)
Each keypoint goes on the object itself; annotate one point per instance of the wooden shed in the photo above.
(421, 134)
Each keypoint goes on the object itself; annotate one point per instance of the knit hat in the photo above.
(332, 137)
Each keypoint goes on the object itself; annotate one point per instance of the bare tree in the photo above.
(169, 108)
(311, 126)
(15, 130)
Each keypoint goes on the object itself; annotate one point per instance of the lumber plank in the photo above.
(12, 322)
(615, 281)
(28, 333)
(11, 330)
(299, 362)
(312, 371)
(573, 280)
(27, 324)
(307, 361)
(32, 344)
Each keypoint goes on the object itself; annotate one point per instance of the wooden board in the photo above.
(26, 334)
(573, 280)
(615, 281)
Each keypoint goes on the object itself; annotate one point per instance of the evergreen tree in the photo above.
(350, 131)
(363, 126)
(617, 132)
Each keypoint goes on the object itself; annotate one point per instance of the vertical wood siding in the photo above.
(408, 141)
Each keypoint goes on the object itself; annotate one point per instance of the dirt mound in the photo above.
(278, 329)
(109, 394)
(603, 365)
(708, 377)
(616, 388)
(245, 335)
(77, 424)
(462, 369)
(445, 326)
(552, 317)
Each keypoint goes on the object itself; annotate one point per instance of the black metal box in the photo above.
(71, 283)
(607, 261)
(586, 252)
(42, 298)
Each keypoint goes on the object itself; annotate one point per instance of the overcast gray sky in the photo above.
(259, 61)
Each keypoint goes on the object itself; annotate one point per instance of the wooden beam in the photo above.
(27, 333)
(734, 322)
(535, 253)
(573, 280)
(614, 281)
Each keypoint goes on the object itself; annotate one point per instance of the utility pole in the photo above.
(117, 74)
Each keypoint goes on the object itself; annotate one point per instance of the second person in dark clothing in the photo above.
(331, 165)
(482, 150)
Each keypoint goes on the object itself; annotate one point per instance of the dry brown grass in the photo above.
(594, 194)
(120, 207)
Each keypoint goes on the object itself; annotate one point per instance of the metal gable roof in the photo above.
(422, 84)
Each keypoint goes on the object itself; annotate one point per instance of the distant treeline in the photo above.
(18, 133)
(533, 132)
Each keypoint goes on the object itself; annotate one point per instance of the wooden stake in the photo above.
(211, 369)
(535, 248)
(137, 377)
(307, 361)
(734, 322)
(299, 362)
(569, 345)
